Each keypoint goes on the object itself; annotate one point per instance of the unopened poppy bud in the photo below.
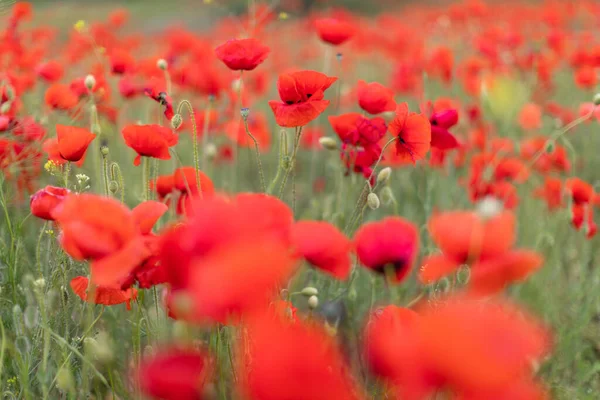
(309, 291)
(373, 201)
(328, 143)
(245, 112)
(463, 274)
(113, 187)
(162, 64)
(5, 107)
(64, 380)
(10, 93)
(384, 175)
(211, 150)
(90, 82)
(104, 150)
(313, 302)
(489, 207)
(550, 147)
(176, 121)
(597, 99)
(100, 348)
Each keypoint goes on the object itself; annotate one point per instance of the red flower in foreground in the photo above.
(102, 295)
(301, 96)
(413, 132)
(472, 349)
(45, 200)
(323, 246)
(375, 98)
(175, 374)
(104, 231)
(391, 243)
(242, 54)
(292, 360)
(334, 31)
(60, 97)
(149, 141)
(73, 141)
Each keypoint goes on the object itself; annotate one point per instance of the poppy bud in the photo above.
(339, 56)
(100, 348)
(64, 380)
(211, 151)
(10, 93)
(309, 291)
(5, 107)
(597, 99)
(113, 187)
(104, 150)
(313, 302)
(373, 201)
(245, 112)
(328, 143)
(90, 82)
(176, 121)
(550, 147)
(489, 207)
(162, 64)
(384, 175)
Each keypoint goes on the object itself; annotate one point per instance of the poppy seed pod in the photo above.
(373, 201)
(384, 175)
(162, 64)
(328, 143)
(176, 121)
(597, 99)
(90, 82)
(313, 302)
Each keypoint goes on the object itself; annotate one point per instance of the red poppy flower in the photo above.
(551, 192)
(163, 99)
(580, 191)
(73, 141)
(286, 360)
(323, 246)
(413, 132)
(175, 374)
(60, 97)
(354, 129)
(530, 117)
(164, 185)
(184, 179)
(104, 231)
(102, 295)
(121, 61)
(301, 96)
(441, 122)
(586, 77)
(149, 141)
(375, 98)
(45, 200)
(242, 54)
(392, 242)
(334, 31)
(50, 71)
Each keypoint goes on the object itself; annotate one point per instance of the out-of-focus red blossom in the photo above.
(441, 122)
(301, 95)
(583, 199)
(60, 97)
(118, 17)
(457, 345)
(545, 159)
(73, 141)
(323, 246)
(50, 71)
(551, 192)
(485, 243)
(586, 77)
(149, 141)
(282, 359)
(242, 54)
(104, 231)
(175, 374)
(391, 243)
(105, 296)
(121, 61)
(375, 98)
(45, 200)
(163, 99)
(413, 133)
(530, 117)
(334, 31)
(310, 138)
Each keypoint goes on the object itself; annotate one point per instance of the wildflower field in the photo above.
(299, 200)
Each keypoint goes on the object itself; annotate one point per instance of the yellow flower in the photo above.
(79, 25)
(283, 15)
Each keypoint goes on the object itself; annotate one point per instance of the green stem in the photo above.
(67, 172)
(257, 152)
(291, 162)
(146, 177)
(105, 174)
(190, 109)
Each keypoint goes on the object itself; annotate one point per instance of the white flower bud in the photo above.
(309, 291)
(176, 121)
(313, 302)
(162, 64)
(373, 201)
(489, 207)
(328, 143)
(384, 175)
(597, 99)
(90, 82)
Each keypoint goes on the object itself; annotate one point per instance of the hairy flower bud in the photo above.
(176, 121)
(313, 302)
(597, 99)
(328, 143)
(373, 201)
(384, 175)
(90, 82)
(162, 64)
(309, 291)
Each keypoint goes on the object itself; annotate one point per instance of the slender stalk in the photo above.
(105, 174)
(291, 162)
(188, 105)
(146, 177)
(282, 151)
(257, 152)
(66, 173)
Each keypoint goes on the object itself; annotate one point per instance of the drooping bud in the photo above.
(597, 99)
(245, 113)
(313, 302)
(104, 151)
(373, 201)
(113, 187)
(328, 143)
(384, 175)
(90, 82)
(176, 121)
(162, 64)
(309, 291)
